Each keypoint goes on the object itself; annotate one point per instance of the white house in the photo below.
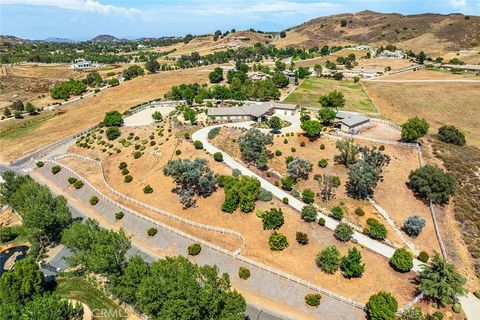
(83, 64)
(386, 54)
(257, 75)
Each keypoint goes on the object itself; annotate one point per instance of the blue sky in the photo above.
(84, 19)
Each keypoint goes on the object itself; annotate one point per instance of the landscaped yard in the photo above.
(311, 89)
(78, 288)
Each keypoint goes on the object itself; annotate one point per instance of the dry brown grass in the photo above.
(89, 111)
(439, 103)
(424, 74)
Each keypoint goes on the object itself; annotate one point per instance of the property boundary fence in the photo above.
(234, 255)
(152, 208)
(395, 143)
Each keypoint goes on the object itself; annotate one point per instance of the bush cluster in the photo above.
(243, 273)
(93, 200)
(194, 249)
(56, 169)
(309, 213)
(343, 232)
(302, 238)
(152, 231)
(265, 196)
(277, 241)
(337, 213)
(402, 260)
(78, 184)
(313, 299)
(119, 215)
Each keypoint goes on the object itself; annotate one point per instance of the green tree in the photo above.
(30, 108)
(328, 259)
(421, 57)
(190, 115)
(275, 123)
(308, 196)
(280, 66)
(299, 168)
(216, 75)
(318, 70)
(273, 219)
(178, 289)
(334, 99)
(343, 232)
(376, 230)
(240, 192)
(312, 128)
(402, 260)
(432, 183)
(414, 128)
(413, 225)
(19, 285)
(113, 119)
(280, 80)
(96, 249)
(132, 72)
(326, 115)
(382, 306)
(112, 133)
(125, 285)
(348, 151)
(253, 145)
(440, 281)
(51, 307)
(152, 65)
(157, 116)
(352, 265)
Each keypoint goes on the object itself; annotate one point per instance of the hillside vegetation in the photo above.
(432, 33)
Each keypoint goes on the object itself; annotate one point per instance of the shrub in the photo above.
(122, 165)
(308, 196)
(152, 231)
(328, 260)
(125, 171)
(413, 225)
(322, 147)
(450, 134)
(147, 189)
(309, 213)
(40, 164)
(302, 144)
(313, 299)
(382, 306)
(273, 219)
(438, 315)
(7, 234)
(343, 232)
(137, 154)
(412, 314)
(336, 181)
(432, 183)
(218, 156)
(265, 196)
(56, 169)
(302, 238)
(337, 213)
(93, 200)
(293, 150)
(285, 200)
(178, 152)
(423, 257)
(381, 148)
(457, 307)
(321, 222)
(278, 153)
(198, 144)
(187, 135)
(359, 212)
(402, 260)
(119, 215)
(194, 249)
(152, 143)
(277, 241)
(72, 180)
(78, 184)
(112, 133)
(236, 173)
(322, 163)
(287, 183)
(128, 178)
(376, 230)
(285, 141)
(213, 132)
(243, 273)
(414, 128)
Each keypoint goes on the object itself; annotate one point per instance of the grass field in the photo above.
(91, 110)
(79, 289)
(311, 89)
(440, 103)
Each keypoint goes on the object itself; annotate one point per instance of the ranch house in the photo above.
(252, 112)
(351, 123)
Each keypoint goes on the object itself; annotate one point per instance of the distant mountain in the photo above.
(53, 39)
(13, 40)
(106, 38)
(432, 33)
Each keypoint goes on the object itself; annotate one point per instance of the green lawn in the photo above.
(78, 288)
(311, 89)
(16, 128)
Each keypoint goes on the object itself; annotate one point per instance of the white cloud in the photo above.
(458, 3)
(76, 5)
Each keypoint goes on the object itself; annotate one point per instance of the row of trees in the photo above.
(67, 88)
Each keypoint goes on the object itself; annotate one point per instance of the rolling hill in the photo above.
(432, 33)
